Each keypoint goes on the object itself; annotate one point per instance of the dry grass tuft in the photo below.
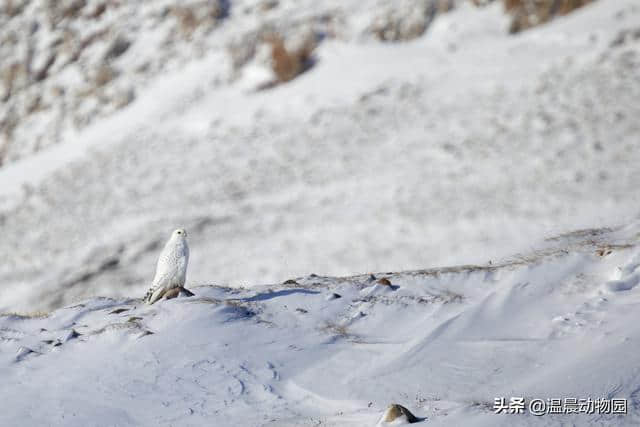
(12, 8)
(104, 74)
(287, 57)
(206, 300)
(23, 316)
(13, 77)
(200, 14)
(402, 25)
(336, 329)
(288, 63)
(529, 13)
(450, 297)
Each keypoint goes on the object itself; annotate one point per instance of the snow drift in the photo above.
(444, 342)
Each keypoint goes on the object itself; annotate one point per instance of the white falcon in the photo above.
(171, 270)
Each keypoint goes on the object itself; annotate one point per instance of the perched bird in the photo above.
(171, 270)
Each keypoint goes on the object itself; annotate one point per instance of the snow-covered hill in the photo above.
(68, 64)
(409, 139)
(560, 322)
(459, 146)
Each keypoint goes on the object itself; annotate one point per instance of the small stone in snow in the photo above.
(603, 252)
(395, 411)
(384, 281)
(358, 315)
(145, 333)
(72, 334)
(22, 353)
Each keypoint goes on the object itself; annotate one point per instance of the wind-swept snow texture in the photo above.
(325, 351)
(460, 146)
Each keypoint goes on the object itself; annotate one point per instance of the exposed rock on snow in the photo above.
(72, 334)
(384, 281)
(397, 415)
(22, 353)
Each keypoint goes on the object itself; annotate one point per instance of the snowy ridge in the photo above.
(336, 351)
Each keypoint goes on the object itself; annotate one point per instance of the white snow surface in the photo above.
(464, 145)
(459, 148)
(442, 342)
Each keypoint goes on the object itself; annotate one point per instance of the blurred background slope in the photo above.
(297, 137)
